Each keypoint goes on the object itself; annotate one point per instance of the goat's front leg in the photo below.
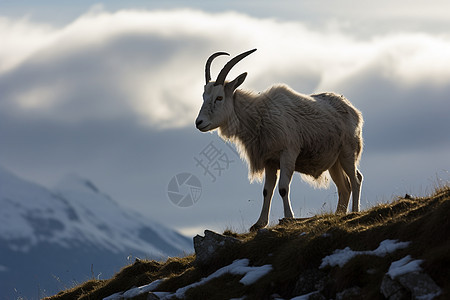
(287, 167)
(269, 185)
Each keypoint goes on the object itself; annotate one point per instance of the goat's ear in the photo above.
(232, 85)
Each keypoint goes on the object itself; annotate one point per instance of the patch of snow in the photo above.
(253, 273)
(161, 295)
(341, 256)
(305, 297)
(389, 246)
(115, 296)
(404, 266)
(142, 289)
(135, 291)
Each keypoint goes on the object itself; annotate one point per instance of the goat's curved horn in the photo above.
(223, 74)
(208, 65)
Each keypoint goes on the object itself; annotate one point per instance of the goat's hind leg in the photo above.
(359, 180)
(356, 178)
(343, 186)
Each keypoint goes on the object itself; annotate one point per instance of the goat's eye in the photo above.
(219, 98)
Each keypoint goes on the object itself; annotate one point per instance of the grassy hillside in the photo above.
(296, 248)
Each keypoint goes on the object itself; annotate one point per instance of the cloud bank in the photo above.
(149, 64)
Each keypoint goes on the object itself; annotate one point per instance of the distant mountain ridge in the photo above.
(51, 238)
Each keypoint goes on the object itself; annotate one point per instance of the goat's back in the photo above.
(341, 105)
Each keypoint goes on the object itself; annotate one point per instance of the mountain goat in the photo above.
(280, 129)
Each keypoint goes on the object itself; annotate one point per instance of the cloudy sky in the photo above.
(111, 91)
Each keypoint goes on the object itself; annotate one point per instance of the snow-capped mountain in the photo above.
(51, 238)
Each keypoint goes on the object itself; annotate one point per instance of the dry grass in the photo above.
(296, 246)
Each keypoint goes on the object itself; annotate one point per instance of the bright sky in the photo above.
(111, 91)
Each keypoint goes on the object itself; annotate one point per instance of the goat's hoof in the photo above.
(256, 227)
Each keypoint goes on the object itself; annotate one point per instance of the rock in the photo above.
(413, 285)
(393, 290)
(420, 284)
(310, 296)
(316, 296)
(348, 294)
(207, 246)
(310, 281)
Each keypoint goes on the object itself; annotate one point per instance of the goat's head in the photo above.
(218, 95)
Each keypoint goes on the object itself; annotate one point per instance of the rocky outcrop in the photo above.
(206, 247)
(350, 294)
(310, 281)
(414, 285)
